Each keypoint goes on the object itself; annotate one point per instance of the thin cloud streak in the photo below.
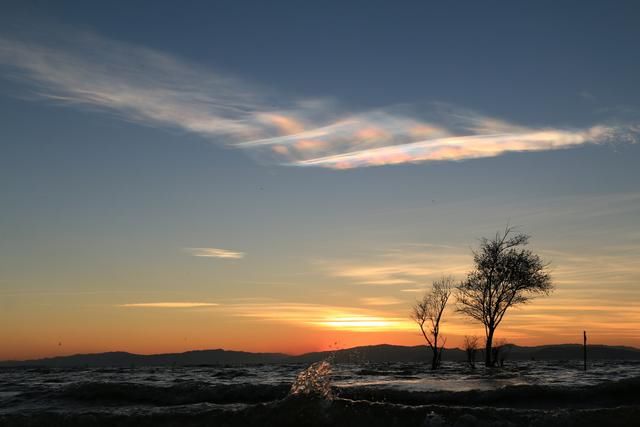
(169, 305)
(214, 253)
(381, 301)
(157, 89)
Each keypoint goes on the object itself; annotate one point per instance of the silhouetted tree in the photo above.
(505, 274)
(427, 313)
(471, 348)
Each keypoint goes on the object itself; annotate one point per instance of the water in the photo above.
(240, 391)
(457, 377)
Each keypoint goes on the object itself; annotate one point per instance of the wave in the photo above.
(115, 393)
(315, 412)
(615, 403)
(607, 394)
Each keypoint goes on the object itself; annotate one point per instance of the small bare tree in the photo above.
(500, 351)
(471, 348)
(428, 312)
(505, 275)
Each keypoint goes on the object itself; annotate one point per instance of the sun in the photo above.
(361, 323)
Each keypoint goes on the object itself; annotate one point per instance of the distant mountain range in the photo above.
(375, 354)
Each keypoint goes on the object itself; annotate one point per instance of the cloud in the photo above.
(214, 253)
(463, 147)
(139, 84)
(372, 272)
(170, 304)
(407, 267)
(157, 89)
(380, 301)
(585, 94)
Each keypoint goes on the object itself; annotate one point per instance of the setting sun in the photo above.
(365, 323)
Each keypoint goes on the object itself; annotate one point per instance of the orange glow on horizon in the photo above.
(333, 334)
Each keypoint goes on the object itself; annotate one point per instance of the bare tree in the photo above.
(428, 312)
(505, 275)
(471, 348)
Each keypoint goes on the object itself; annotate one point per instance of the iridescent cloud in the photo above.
(157, 89)
(462, 147)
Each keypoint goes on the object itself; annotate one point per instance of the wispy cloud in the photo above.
(462, 147)
(214, 253)
(401, 266)
(157, 89)
(381, 301)
(413, 290)
(585, 94)
(138, 83)
(170, 304)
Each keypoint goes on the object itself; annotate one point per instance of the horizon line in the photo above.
(480, 348)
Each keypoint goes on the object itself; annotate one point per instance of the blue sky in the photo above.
(319, 160)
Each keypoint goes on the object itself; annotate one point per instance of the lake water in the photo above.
(193, 391)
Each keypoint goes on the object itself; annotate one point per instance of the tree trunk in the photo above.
(434, 360)
(488, 360)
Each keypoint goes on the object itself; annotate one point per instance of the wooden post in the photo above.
(584, 333)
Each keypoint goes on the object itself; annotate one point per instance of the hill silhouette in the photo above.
(366, 354)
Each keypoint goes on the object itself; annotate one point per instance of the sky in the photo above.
(292, 176)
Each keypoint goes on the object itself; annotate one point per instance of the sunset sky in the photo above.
(291, 176)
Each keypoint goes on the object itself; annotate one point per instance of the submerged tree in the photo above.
(427, 313)
(505, 274)
(500, 352)
(471, 349)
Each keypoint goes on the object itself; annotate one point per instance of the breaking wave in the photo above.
(314, 381)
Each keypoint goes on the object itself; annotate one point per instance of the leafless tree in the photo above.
(505, 275)
(471, 348)
(427, 313)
